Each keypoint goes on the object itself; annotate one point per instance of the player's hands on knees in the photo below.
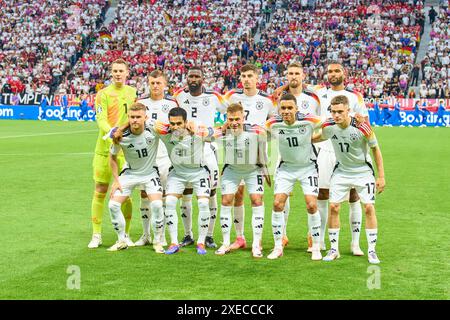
(116, 186)
(380, 185)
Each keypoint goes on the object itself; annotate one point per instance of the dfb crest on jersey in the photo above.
(302, 129)
(305, 105)
(353, 136)
(259, 105)
(247, 141)
(165, 108)
(205, 102)
(149, 139)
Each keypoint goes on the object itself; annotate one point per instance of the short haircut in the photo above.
(288, 97)
(340, 100)
(120, 61)
(235, 107)
(295, 65)
(249, 67)
(157, 73)
(137, 106)
(196, 68)
(178, 112)
(335, 62)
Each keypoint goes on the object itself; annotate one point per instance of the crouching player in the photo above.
(354, 169)
(139, 144)
(244, 148)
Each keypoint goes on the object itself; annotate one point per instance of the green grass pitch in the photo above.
(46, 190)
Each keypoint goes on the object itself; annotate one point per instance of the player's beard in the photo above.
(294, 84)
(337, 81)
(194, 87)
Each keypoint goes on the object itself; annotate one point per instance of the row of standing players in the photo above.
(201, 106)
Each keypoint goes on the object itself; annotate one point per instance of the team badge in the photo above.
(353, 137)
(305, 105)
(302, 130)
(205, 102)
(99, 109)
(247, 141)
(259, 105)
(165, 108)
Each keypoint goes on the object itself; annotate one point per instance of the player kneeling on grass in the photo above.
(139, 144)
(244, 154)
(294, 132)
(354, 169)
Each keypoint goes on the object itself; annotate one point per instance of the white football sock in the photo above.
(157, 219)
(117, 219)
(203, 219)
(225, 223)
(146, 215)
(239, 217)
(186, 214)
(355, 221)
(333, 235)
(322, 207)
(257, 224)
(213, 212)
(287, 209)
(372, 236)
(277, 228)
(172, 218)
(314, 227)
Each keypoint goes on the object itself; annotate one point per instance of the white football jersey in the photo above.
(351, 146)
(257, 108)
(308, 103)
(139, 151)
(159, 110)
(294, 141)
(203, 108)
(357, 105)
(185, 150)
(246, 151)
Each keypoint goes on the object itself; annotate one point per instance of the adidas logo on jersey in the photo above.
(260, 189)
(334, 137)
(281, 132)
(130, 146)
(186, 102)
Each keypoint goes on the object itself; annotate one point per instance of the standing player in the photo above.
(185, 150)
(83, 108)
(307, 103)
(245, 159)
(157, 106)
(326, 158)
(258, 107)
(353, 170)
(201, 106)
(139, 145)
(64, 108)
(440, 115)
(43, 109)
(294, 132)
(111, 104)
